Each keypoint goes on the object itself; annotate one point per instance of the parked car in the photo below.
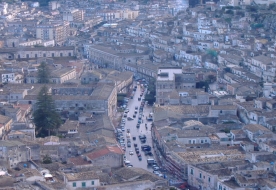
(156, 172)
(128, 144)
(142, 137)
(134, 138)
(143, 140)
(156, 168)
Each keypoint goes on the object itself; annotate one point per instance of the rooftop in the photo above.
(104, 151)
(90, 175)
(168, 74)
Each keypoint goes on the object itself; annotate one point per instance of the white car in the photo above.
(156, 172)
(156, 168)
(130, 152)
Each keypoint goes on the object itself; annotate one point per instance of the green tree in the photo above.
(227, 70)
(230, 12)
(47, 159)
(43, 73)
(211, 52)
(46, 119)
(151, 96)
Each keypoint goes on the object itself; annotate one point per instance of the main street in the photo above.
(135, 132)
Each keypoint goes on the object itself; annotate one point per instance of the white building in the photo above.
(11, 77)
(81, 180)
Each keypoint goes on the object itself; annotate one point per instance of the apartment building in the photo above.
(119, 14)
(172, 78)
(54, 5)
(13, 152)
(74, 15)
(53, 31)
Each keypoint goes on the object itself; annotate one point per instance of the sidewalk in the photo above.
(117, 119)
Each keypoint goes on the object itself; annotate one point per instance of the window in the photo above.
(209, 179)
(70, 54)
(92, 182)
(192, 171)
(60, 54)
(53, 55)
(74, 184)
(83, 184)
(220, 111)
(200, 175)
(201, 141)
(44, 54)
(220, 188)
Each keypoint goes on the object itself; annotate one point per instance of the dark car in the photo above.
(134, 138)
(143, 141)
(138, 125)
(148, 153)
(142, 137)
(145, 146)
(135, 145)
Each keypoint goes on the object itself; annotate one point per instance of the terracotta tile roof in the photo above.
(78, 161)
(104, 151)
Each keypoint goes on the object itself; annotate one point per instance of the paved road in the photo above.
(138, 131)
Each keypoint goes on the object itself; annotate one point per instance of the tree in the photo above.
(43, 73)
(211, 52)
(230, 12)
(227, 70)
(151, 96)
(47, 159)
(46, 118)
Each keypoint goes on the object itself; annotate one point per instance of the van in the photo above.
(150, 161)
(127, 162)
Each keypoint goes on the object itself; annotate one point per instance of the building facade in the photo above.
(58, 32)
